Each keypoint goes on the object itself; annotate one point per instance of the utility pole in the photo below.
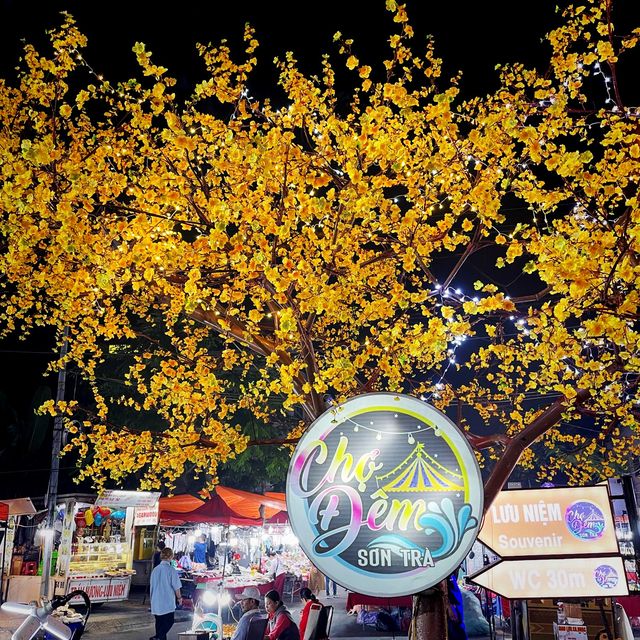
(52, 491)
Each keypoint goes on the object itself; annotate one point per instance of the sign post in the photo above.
(384, 494)
(554, 543)
(558, 522)
(547, 578)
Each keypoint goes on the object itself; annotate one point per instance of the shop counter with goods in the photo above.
(95, 551)
(232, 584)
(91, 546)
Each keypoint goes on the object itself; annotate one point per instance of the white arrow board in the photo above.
(552, 578)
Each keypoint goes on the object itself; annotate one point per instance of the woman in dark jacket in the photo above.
(281, 625)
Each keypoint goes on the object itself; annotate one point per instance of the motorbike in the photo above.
(39, 618)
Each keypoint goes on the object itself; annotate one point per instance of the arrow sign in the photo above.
(547, 578)
(550, 522)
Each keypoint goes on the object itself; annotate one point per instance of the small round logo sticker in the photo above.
(585, 520)
(606, 576)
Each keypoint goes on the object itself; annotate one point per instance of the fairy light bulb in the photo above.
(411, 439)
(356, 428)
(379, 436)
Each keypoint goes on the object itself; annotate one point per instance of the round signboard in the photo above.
(384, 494)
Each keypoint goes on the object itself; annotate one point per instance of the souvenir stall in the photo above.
(95, 549)
(277, 536)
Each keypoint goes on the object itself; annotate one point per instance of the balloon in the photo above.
(95, 509)
(88, 516)
(98, 519)
(105, 512)
(81, 523)
(118, 515)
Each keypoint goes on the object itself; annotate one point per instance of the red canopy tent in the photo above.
(248, 504)
(181, 504)
(225, 506)
(214, 511)
(4, 512)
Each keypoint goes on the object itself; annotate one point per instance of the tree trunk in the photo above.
(429, 617)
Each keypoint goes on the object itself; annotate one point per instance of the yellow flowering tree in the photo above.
(307, 245)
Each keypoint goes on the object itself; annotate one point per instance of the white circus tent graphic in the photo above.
(419, 472)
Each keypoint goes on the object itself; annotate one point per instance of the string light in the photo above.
(380, 432)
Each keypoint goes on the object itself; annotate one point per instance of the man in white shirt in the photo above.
(165, 590)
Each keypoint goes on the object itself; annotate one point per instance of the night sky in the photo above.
(470, 36)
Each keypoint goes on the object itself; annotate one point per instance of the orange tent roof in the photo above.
(180, 504)
(242, 505)
(248, 504)
(277, 495)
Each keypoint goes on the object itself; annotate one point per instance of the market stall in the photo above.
(95, 549)
(21, 552)
(241, 527)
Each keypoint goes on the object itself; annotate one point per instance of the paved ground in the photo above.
(132, 620)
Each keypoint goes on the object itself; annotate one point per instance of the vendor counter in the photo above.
(234, 585)
(23, 588)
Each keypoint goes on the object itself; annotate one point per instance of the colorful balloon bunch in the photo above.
(97, 516)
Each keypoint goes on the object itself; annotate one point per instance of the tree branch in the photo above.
(517, 445)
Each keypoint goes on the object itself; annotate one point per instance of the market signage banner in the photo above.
(119, 498)
(553, 578)
(550, 522)
(100, 589)
(146, 516)
(384, 494)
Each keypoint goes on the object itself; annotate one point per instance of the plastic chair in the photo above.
(323, 627)
(257, 627)
(292, 586)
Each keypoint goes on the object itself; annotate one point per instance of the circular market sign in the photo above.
(384, 494)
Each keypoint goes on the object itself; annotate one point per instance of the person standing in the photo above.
(330, 588)
(156, 554)
(200, 553)
(250, 603)
(277, 571)
(455, 612)
(165, 591)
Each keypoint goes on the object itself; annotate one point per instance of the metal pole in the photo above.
(262, 515)
(4, 556)
(224, 566)
(52, 491)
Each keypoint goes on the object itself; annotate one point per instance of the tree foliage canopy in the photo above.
(331, 242)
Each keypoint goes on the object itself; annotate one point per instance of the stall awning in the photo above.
(180, 504)
(225, 506)
(4, 512)
(248, 504)
(631, 605)
(20, 507)
(213, 511)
